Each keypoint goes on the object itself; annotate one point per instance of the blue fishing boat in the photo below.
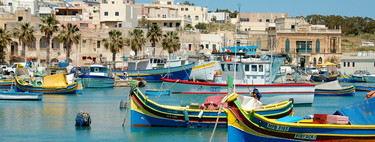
(323, 77)
(178, 72)
(244, 126)
(349, 78)
(145, 112)
(98, 76)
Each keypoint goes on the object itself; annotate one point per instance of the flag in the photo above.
(230, 84)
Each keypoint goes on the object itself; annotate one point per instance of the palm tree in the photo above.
(25, 35)
(154, 35)
(5, 40)
(171, 42)
(69, 35)
(49, 27)
(137, 40)
(115, 43)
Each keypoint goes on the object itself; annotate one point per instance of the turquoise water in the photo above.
(53, 118)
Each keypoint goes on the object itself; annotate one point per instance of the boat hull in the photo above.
(254, 127)
(180, 72)
(302, 93)
(369, 78)
(365, 88)
(89, 81)
(5, 95)
(6, 83)
(205, 71)
(145, 113)
(346, 91)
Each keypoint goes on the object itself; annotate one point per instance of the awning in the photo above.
(326, 64)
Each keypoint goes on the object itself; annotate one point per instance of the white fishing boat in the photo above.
(7, 95)
(250, 73)
(99, 76)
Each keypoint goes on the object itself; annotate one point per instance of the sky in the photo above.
(349, 8)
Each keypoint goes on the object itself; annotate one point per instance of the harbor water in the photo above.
(53, 118)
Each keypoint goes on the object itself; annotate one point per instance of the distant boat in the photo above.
(6, 95)
(177, 72)
(52, 84)
(6, 83)
(365, 88)
(334, 88)
(243, 126)
(145, 112)
(323, 77)
(349, 78)
(98, 76)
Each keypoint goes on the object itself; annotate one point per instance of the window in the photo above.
(268, 20)
(178, 25)
(214, 46)
(83, 43)
(158, 15)
(169, 3)
(164, 16)
(259, 20)
(196, 17)
(317, 46)
(117, 13)
(182, 9)
(113, 2)
(223, 67)
(207, 46)
(353, 64)
(254, 68)
(106, 13)
(186, 9)
(229, 67)
(345, 64)
(90, 17)
(244, 19)
(348, 64)
(247, 67)
(292, 27)
(98, 44)
(165, 24)
(287, 46)
(260, 68)
(83, 25)
(20, 18)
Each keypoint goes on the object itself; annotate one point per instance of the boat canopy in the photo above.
(360, 113)
(55, 81)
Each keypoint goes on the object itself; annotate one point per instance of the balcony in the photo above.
(303, 50)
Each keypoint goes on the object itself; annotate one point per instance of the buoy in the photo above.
(200, 114)
(83, 118)
(123, 104)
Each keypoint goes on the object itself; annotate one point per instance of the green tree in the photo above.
(201, 26)
(69, 35)
(154, 34)
(143, 22)
(5, 40)
(48, 27)
(115, 43)
(25, 35)
(136, 41)
(171, 42)
(188, 27)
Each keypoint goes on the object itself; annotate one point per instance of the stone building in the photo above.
(315, 43)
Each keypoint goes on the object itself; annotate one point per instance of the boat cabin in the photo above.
(99, 70)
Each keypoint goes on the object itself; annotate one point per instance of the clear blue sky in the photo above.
(350, 8)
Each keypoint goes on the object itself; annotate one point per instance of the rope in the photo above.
(217, 120)
(161, 86)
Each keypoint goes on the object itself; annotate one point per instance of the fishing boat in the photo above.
(249, 71)
(7, 95)
(349, 78)
(205, 68)
(302, 93)
(99, 76)
(244, 126)
(52, 84)
(178, 72)
(369, 78)
(365, 88)
(334, 88)
(6, 83)
(323, 77)
(145, 112)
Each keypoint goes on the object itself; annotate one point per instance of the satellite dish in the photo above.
(132, 53)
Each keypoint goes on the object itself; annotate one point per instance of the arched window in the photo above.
(317, 46)
(314, 62)
(287, 46)
(320, 60)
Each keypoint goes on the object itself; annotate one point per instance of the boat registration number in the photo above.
(306, 137)
(279, 128)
